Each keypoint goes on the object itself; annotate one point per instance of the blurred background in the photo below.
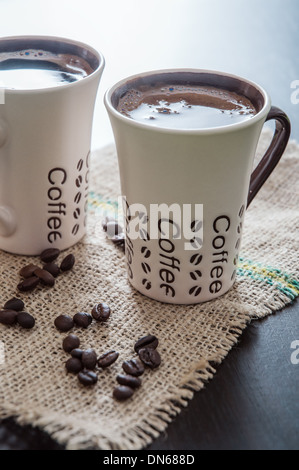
(257, 39)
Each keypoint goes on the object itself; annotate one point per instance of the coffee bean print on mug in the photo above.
(81, 186)
(129, 244)
(146, 267)
(238, 240)
(196, 259)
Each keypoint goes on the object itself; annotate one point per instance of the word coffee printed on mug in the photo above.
(295, 94)
(295, 354)
(165, 221)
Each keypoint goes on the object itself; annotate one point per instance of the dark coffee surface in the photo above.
(34, 69)
(184, 107)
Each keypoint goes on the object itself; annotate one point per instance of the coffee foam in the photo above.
(198, 106)
(68, 62)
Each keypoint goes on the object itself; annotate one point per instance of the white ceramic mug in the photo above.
(45, 137)
(190, 167)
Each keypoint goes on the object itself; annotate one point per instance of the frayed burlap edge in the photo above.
(75, 437)
(137, 438)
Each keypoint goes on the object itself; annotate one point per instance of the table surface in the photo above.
(252, 402)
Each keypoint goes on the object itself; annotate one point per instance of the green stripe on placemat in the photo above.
(273, 276)
(98, 202)
(256, 271)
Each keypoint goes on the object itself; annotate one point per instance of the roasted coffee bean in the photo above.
(77, 352)
(25, 320)
(8, 317)
(45, 277)
(122, 392)
(113, 228)
(28, 270)
(82, 319)
(107, 359)
(101, 311)
(133, 367)
(106, 221)
(49, 255)
(148, 341)
(89, 358)
(118, 239)
(73, 365)
(70, 342)
(87, 377)
(129, 380)
(14, 304)
(52, 268)
(64, 322)
(28, 284)
(67, 263)
(150, 357)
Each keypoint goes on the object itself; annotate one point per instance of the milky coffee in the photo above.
(185, 106)
(28, 69)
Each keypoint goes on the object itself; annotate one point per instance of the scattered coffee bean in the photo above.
(77, 353)
(8, 317)
(101, 312)
(67, 263)
(82, 319)
(148, 341)
(52, 268)
(45, 277)
(49, 255)
(28, 284)
(87, 377)
(133, 367)
(122, 392)
(73, 365)
(14, 304)
(118, 240)
(64, 322)
(28, 270)
(70, 342)
(113, 228)
(129, 380)
(89, 359)
(25, 320)
(150, 357)
(107, 359)
(106, 221)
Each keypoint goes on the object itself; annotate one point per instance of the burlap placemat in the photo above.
(34, 385)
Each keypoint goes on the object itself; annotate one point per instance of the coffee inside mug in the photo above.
(187, 100)
(37, 63)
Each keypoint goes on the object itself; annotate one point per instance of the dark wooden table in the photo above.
(252, 402)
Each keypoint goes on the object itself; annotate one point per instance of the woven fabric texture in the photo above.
(34, 385)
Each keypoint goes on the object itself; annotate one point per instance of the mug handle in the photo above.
(274, 152)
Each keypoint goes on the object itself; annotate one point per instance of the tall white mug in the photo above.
(186, 190)
(45, 136)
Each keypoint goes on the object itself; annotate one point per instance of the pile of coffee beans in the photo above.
(148, 356)
(100, 313)
(114, 231)
(33, 275)
(13, 313)
(85, 362)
